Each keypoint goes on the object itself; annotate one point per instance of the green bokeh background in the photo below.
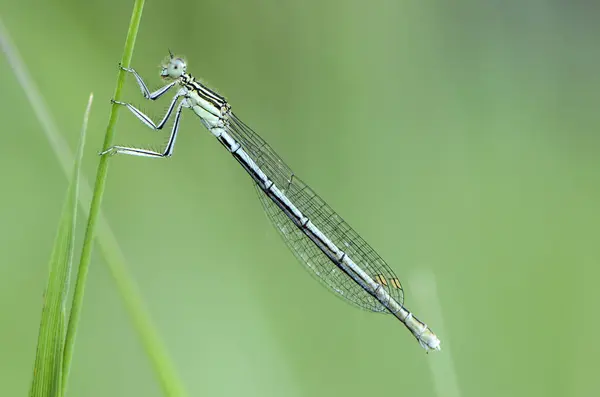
(459, 138)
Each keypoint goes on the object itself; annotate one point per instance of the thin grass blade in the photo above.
(48, 368)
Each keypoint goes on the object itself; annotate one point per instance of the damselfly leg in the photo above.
(168, 151)
(147, 120)
(144, 88)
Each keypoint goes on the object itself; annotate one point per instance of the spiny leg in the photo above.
(150, 153)
(145, 119)
(145, 91)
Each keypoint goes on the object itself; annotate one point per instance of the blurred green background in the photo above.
(461, 140)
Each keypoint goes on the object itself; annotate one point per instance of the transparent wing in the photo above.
(262, 154)
(325, 218)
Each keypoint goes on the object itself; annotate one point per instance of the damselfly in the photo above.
(316, 234)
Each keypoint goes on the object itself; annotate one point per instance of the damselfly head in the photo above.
(173, 68)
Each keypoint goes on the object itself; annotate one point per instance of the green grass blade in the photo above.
(86, 252)
(47, 372)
